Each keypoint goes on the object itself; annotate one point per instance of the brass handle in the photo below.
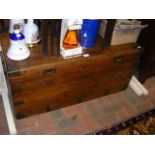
(49, 71)
(119, 58)
(106, 92)
(17, 90)
(79, 99)
(16, 103)
(48, 109)
(16, 73)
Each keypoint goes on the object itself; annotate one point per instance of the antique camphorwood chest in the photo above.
(43, 83)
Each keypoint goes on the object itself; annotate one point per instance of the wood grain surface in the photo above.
(43, 83)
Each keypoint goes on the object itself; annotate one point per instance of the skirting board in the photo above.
(137, 87)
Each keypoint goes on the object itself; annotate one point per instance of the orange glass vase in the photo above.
(71, 40)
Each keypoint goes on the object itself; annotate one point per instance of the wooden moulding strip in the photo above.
(137, 87)
(140, 86)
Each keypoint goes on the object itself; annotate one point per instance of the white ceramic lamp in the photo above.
(18, 50)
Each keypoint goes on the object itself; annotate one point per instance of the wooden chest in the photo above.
(43, 83)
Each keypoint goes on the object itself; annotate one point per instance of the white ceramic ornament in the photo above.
(31, 33)
(18, 50)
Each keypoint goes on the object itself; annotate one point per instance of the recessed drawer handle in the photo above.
(49, 71)
(16, 103)
(119, 58)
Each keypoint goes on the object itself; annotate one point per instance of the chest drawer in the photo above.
(51, 93)
(51, 98)
(73, 70)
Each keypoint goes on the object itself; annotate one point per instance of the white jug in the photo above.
(31, 33)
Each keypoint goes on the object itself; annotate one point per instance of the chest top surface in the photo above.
(38, 58)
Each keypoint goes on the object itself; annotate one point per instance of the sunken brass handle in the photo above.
(119, 58)
(49, 71)
(16, 103)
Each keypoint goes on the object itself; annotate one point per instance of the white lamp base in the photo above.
(18, 55)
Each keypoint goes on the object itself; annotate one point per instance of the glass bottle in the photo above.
(71, 40)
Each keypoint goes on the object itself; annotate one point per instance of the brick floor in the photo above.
(88, 116)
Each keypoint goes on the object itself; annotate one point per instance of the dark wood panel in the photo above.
(146, 39)
(67, 97)
(128, 69)
(57, 84)
(37, 72)
(58, 95)
(73, 70)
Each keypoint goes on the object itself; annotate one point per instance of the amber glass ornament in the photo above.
(71, 40)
